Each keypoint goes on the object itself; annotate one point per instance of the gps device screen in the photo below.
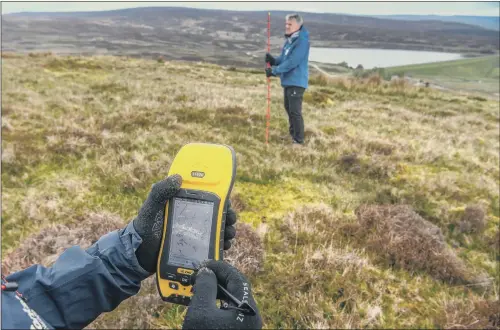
(191, 229)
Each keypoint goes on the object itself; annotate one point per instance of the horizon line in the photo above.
(246, 10)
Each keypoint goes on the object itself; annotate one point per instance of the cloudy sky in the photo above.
(367, 8)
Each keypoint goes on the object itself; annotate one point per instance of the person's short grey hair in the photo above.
(296, 17)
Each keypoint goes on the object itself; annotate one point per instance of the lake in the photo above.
(381, 58)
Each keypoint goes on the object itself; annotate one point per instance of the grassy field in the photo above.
(481, 74)
(388, 217)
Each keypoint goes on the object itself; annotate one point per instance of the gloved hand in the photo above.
(203, 312)
(270, 59)
(269, 72)
(149, 222)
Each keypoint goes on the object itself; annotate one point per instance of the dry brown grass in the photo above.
(45, 246)
(472, 314)
(237, 202)
(382, 147)
(404, 239)
(247, 251)
(11, 55)
(374, 80)
(306, 225)
(401, 84)
(473, 219)
(349, 160)
(319, 79)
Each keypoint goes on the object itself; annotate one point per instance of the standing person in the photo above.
(293, 68)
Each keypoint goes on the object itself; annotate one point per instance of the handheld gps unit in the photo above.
(194, 223)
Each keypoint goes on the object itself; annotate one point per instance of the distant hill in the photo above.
(487, 22)
(225, 37)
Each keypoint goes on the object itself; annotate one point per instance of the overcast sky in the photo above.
(367, 8)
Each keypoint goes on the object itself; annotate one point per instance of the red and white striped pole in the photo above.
(268, 116)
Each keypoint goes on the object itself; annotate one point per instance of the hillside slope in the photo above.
(480, 74)
(487, 22)
(342, 250)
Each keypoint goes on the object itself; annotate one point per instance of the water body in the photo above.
(380, 58)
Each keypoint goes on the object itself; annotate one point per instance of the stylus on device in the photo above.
(241, 306)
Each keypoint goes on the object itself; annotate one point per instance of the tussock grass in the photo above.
(473, 219)
(45, 246)
(247, 250)
(90, 135)
(404, 239)
(475, 314)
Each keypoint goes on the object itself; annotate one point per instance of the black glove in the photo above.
(269, 72)
(203, 312)
(270, 59)
(149, 222)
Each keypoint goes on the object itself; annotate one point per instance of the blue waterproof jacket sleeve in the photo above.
(82, 284)
(278, 59)
(296, 57)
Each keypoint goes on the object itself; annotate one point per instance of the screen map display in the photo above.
(191, 229)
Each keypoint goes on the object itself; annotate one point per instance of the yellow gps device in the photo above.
(194, 222)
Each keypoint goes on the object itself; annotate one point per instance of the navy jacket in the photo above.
(293, 64)
(79, 286)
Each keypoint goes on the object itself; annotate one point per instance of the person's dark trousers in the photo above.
(293, 106)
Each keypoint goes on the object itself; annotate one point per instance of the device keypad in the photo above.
(185, 280)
